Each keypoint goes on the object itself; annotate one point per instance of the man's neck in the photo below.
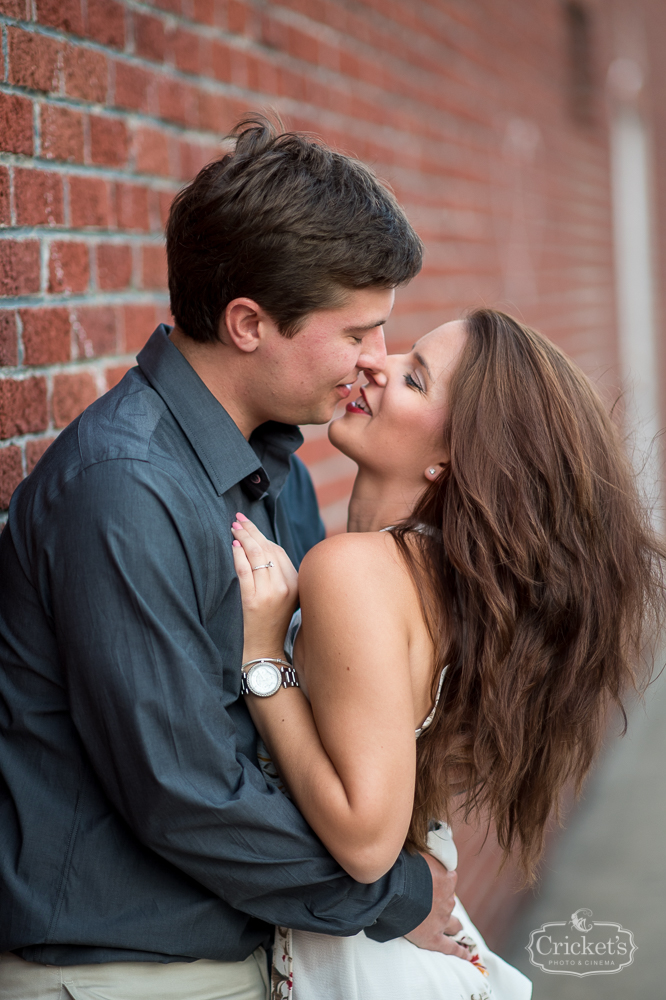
(379, 503)
(217, 367)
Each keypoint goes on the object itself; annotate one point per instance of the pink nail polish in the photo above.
(242, 517)
(236, 544)
(237, 526)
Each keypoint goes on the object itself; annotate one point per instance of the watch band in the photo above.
(287, 673)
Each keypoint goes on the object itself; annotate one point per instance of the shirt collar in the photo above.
(260, 465)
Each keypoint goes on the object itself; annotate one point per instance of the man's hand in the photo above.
(433, 933)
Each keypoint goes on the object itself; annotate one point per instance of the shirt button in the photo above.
(256, 478)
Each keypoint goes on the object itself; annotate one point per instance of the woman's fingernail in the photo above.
(237, 526)
(242, 517)
(236, 544)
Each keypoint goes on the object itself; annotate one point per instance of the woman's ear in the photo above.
(433, 472)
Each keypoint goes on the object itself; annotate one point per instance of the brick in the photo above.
(187, 52)
(114, 374)
(16, 124)
(86, 74)
(63, 14)
(153, 267)
(178, 102)
(90, 203)
(134, 87)
(165, 199)
(23, 407)
(11, 473)
(47, 337)
(139, 322)
(131, 203)
(61, 134)
(34, 450)
(214, 112)
(5, 208)
(39, 198)
(15, 8)
(163, 314)
(106, 23)
(151, 151)
(19, 267)
(8, 338)
(109, 141)
(237, 17)
(149, 37)
(69, 267)
(114, 266)
(221, 61)
(194, 156)
(71, 395)
(203, 11)
(33, 60)
(96, 330)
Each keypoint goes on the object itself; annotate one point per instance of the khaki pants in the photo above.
(202, 980)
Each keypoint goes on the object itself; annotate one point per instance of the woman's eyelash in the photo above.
(410, 380)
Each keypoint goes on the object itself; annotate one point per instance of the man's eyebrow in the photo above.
(368, 326)
(424, 364)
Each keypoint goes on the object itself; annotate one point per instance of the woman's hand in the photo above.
(269, 595)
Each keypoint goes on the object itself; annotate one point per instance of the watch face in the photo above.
(264, 679)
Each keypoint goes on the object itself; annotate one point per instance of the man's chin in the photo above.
(319, 414)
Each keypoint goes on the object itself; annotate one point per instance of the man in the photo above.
(143, 853)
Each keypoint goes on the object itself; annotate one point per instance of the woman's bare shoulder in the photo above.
(366, 564)
(379, 546)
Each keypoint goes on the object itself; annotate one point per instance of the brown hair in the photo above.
(286, 221)
(541, 590)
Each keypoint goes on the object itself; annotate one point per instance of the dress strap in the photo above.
(428, 721)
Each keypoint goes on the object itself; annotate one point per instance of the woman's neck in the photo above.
(379, 503)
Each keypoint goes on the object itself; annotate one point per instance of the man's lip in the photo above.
(344, 390)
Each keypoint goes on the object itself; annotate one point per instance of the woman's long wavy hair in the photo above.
(542, 592)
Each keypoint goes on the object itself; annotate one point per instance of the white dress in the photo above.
(308, 966)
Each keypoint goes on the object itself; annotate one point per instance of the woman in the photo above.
(498, 581)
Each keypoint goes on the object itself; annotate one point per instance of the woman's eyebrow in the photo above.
(424, 364)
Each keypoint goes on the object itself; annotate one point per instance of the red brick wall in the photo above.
(107, 107)
(493, 138)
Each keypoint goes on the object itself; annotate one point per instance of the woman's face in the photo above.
(396, 430)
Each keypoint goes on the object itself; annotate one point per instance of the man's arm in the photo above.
(123, 565)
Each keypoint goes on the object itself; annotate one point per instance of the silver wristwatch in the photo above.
(266, 676)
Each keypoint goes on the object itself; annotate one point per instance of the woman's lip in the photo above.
(365, 400)
(353, 408)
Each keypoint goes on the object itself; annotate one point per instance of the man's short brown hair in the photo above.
(288, 222)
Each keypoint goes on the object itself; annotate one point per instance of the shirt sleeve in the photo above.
(121, 563)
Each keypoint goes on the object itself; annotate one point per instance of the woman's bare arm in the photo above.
(348, 757)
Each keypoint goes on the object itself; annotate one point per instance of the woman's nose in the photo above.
(376, 377)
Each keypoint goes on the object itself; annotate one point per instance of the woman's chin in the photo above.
(339, 436)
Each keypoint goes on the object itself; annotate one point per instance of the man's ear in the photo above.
(244, 323)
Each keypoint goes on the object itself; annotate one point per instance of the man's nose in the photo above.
(373, 354)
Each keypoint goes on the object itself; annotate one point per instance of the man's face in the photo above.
(300, 380)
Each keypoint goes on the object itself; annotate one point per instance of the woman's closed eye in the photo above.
(413, 383)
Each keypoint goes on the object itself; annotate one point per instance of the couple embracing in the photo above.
(206, 756)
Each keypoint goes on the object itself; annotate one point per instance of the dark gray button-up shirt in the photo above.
(134, 823)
